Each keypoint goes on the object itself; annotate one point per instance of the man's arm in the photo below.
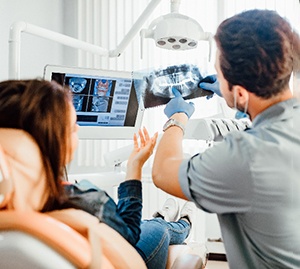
(168, 157)
(169, 154)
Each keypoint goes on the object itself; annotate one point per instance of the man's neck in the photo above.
(258, 104)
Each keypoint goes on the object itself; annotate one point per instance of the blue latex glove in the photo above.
(177, 105)
(211, 83)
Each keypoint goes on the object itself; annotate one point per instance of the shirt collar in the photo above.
(279, 111)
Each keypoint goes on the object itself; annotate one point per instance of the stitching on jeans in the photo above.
(158, 247)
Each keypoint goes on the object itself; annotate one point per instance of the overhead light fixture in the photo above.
(175, 31)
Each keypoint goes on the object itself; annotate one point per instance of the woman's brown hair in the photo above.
(41, 108)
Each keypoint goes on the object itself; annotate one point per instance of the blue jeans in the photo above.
(156, 236)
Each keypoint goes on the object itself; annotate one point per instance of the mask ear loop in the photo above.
(246, 106)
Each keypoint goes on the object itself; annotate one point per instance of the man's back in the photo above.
(267, 234)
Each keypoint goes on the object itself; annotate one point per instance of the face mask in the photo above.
(239, 114)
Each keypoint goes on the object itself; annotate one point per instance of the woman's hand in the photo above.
(141, 152)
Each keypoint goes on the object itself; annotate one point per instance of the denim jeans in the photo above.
(156, 236)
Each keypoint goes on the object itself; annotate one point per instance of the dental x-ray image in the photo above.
(156, 86)
(101, 94)
(77, 84)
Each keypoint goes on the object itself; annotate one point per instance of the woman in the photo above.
(44, 110)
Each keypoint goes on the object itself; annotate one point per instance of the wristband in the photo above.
(173, 122)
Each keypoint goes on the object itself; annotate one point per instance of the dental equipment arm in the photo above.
(15, 44)
(19, 27)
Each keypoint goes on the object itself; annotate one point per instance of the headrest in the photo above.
(19, 145)
(22, 163)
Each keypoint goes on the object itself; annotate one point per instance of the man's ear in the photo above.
(242, 95)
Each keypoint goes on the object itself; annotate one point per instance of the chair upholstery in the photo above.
(182, 256)
(48, 239)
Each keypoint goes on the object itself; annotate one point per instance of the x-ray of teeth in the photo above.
(156, 87)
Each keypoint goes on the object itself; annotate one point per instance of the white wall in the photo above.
(35, 51)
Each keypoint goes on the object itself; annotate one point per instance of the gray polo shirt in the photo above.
(251, 180)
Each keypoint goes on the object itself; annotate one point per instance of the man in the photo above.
(251, 179)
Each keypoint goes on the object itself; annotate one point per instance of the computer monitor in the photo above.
(105, 101)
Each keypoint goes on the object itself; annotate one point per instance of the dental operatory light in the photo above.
(175, 31)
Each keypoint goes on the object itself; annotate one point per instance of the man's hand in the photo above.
(179, 105)
(210, 83)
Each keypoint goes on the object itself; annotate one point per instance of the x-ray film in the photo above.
(155, 87)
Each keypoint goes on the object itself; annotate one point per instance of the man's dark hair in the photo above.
(258, 49)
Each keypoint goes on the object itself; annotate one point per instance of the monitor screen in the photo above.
(105, 101)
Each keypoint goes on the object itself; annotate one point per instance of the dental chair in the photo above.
(66, 239)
